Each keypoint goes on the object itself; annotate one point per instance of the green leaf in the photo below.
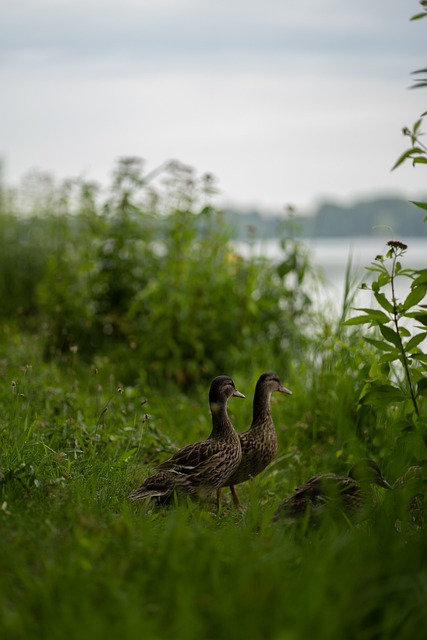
(384, 302)
(418, 122)
(420, 279)
(419, 316)
(415, 341)
(417, 375)
(383, 395)
(284, 268)
(377, 371)
(418, 16)
(375, 315)
(422, 386)
(421, 205)
(420, 160)
(415, 296)
(407, 154)
(391, 336)
(128, 454)
(379, 344)
(357, 320)
(377, 268)
(401, 159)
(389, 357)
(421, 357)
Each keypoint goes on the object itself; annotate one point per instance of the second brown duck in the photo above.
(411, 497)
(259, 442)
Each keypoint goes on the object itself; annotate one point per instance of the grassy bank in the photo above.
(78, 560)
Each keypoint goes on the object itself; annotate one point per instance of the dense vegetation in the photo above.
(148, 272)
(116, 312)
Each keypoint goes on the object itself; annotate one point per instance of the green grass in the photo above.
(78, 560)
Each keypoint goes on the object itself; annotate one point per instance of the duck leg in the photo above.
(236, 499)
(218, 499)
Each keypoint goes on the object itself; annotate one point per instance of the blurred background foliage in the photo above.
(148, 273)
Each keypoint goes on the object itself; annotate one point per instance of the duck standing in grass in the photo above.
(199, 469)
(411, 497)
(352, 494)
(259, 442)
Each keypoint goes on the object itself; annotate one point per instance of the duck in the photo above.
(259, 442)
(352, 494)
(411, 496)
(198, 470)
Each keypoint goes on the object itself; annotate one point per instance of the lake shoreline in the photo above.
(332, 255)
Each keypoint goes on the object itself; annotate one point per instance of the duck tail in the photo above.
(156, 486)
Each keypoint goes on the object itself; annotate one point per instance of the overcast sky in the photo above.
(284, 101)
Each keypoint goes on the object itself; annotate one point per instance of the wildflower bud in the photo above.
(396, 244)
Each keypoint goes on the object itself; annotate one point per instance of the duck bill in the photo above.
(237, 394)
(283, 389)
(383, 483)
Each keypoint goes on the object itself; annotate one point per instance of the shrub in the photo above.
(151, 276)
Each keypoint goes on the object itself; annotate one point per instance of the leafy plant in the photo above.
(423, 13)
(397, 343)
(398, 378)
(417, 151)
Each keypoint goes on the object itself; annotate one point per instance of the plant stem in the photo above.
(402, 348)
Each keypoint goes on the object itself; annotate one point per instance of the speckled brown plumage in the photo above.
(410, 492)
(259, 442)
(352, 494)
(199, 469)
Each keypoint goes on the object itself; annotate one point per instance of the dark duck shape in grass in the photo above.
(199, 469)
(410, 493)
(259, 442)
(352, 495)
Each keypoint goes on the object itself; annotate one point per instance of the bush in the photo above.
(150, 275)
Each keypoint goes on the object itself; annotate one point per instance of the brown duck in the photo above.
(352, 494)
(411, 496)
(259, 442)
(199, 469)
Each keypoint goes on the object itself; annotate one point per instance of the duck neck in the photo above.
(261, 408)
(221, 424)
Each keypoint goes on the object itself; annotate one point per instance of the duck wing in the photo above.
(189, 459)
(327, 486)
